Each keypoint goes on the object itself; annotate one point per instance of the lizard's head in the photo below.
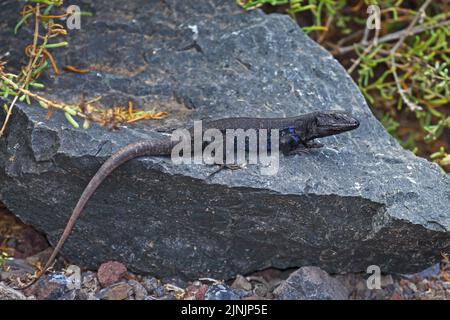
(323, 124)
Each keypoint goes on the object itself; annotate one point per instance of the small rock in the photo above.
(159, 291)
(361, 285)
(197, 283)
(396, 296)
(220, 292)
(390, 289)
(51, 287)
(110, 272)
(69, 295)
(423, 285)
(243, 293)
(7, 293)
(196, 291)
(200, 294)
(412, 286)
(168, 296)
(386, 280)
(311, 283)
(432, 271)
(150, 284)
(138, 290)
(89, 286)
(407, 292)
(241, 283)
(118, 291)
(175, 281)
(260, 290)
(254, 297)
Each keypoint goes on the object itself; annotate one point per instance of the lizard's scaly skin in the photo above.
(308, 127)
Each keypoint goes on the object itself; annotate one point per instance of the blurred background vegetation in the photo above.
(401, 68)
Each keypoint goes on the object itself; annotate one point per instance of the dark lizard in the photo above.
(295, 132)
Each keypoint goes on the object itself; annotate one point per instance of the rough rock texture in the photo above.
(221, 292)
(7, 293)
(311, 283)
(359, 201)
(110, 272)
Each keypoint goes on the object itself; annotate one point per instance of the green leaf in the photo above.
(71, 120)
(21, 22)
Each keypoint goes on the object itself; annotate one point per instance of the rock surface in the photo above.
(7, 293)
(359, 201)
(311, 283)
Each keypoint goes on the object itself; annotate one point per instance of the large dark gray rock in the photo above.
(359, 201)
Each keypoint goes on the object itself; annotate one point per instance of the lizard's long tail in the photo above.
(131, 151)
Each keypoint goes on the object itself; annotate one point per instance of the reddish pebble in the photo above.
(396, 296)
(110, 272)
(200, 294)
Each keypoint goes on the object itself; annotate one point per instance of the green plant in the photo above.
(3, 257)
(47, 37)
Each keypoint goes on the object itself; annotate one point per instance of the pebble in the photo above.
(118, 291)
(175, 281)
(48, 287)
(159, 291)
(221, 292)
(196, 291)
(260, 290)
(150, 284)
(412, 286)
(243, 293)
(69, 295)
(241, 283)
(139, 291)
(110, 272)
(386, 281)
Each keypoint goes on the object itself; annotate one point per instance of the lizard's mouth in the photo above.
(327, 128)
(340, 126)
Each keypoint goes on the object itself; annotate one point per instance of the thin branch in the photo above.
(396, 35)
(358, 61)
(327, 26)
(364, 41)
(412, 106)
